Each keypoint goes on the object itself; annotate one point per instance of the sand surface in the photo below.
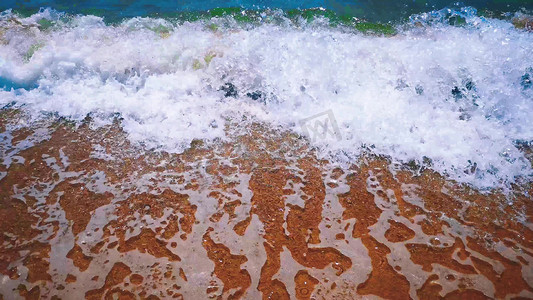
(86, 214)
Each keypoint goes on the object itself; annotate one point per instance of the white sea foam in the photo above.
(451, 94)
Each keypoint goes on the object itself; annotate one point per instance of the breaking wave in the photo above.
(449, 89)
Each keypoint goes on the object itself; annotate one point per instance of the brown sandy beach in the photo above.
(86, 214)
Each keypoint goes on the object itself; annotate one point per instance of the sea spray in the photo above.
(446, 87)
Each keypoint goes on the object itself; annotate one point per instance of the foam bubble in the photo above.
(453, 94)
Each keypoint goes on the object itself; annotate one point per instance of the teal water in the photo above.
(375, 11)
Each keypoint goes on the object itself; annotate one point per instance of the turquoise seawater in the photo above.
(382, 11)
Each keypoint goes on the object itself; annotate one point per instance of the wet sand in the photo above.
(86, 214)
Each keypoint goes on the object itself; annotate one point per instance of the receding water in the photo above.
(283, 150)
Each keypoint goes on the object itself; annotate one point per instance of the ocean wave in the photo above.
(450, 89)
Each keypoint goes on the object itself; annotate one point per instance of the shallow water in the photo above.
(87, 214)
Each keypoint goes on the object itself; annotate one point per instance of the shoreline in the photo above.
(85, 214)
